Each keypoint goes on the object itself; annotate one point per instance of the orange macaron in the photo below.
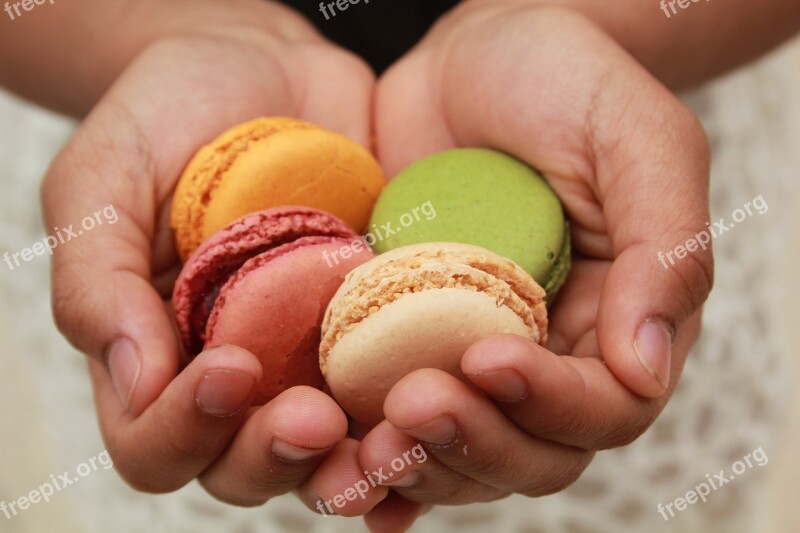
(271, 162)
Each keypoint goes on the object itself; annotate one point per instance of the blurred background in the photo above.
(738, 393)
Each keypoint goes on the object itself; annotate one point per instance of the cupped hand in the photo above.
(110, 285)
(631, 166)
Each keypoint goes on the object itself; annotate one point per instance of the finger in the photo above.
(614, 133)
(465, 431)
(394, 513)
(339, 485)
(187, 427)
(277, 448)
(575, 401)
(102, 298)
(399, 461)
(409, 121)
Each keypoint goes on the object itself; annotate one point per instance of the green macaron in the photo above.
(479, 197)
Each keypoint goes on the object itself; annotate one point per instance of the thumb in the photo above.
(100, 226)
(655, 202)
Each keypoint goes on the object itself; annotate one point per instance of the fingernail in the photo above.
(294, 454)
(504, 385)
(411, 479)
(124, 365)
(223, 393)
(440, 431)
(654, 349)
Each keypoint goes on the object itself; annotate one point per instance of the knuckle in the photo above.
(68, 298)
(695, 275)
(699, 278)
(453, 492)
(567, 473)
(627, 431)
(179, 448)
(142, 479)
(493, 464)
(232, 495)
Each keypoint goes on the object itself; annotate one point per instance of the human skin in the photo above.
(156, 433)
(631, 165)
(164, 428)
(701, 42)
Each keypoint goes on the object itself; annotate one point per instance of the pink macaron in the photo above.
(263, 283)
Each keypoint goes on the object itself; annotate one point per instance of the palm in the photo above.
(554, 141)
(174, 111)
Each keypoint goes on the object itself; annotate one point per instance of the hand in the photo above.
(163, 428)
(631, 166)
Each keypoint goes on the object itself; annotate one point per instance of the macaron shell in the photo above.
(275, 308)
(405, 281)
(430, 329)
(206, 167)
(480, 197)
(315, 168)
(271, 162)
(219, 257)
(369, 282)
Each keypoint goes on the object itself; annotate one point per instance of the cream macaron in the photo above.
(421, 306)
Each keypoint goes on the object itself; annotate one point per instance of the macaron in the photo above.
(271, 162)
(481, 197)
(420, 306)
(263, 283)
